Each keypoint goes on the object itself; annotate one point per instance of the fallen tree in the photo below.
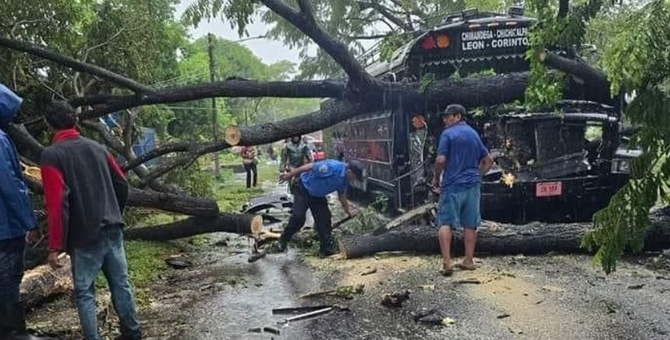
(245, 224)
(498, 239)
(43, 282)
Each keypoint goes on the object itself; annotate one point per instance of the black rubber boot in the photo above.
(13, 324)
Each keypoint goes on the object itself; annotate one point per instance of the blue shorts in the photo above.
(459, 208)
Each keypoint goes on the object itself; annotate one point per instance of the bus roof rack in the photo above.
(515, 11)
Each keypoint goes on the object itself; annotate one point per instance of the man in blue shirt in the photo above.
(317, 180)
(461, 160)
(16, 221)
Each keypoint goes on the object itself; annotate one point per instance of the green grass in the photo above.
(231, 195)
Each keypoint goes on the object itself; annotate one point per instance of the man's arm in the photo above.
(485, 161)
(485, 164)
(342, 197)
(55, 201)
(440, 160)
(303, 168)
(119, 182)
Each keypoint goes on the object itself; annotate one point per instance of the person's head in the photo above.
(61, 116)
(296, 139)
(453, 114)
(9, 104)
(354, 171)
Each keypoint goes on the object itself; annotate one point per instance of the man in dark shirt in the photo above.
(16, 222)
(462, 159)
(85, 193)
(315, 182)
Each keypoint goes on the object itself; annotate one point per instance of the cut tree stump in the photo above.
(505, 239)
(43, 282)
(232, 135)
(245, 224)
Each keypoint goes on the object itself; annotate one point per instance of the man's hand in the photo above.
(435, 186)
(285, 177)
(33, 237)
(54, 259)
(351, 212)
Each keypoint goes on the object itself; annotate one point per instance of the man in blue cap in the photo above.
(462, 159)
(16, 222)
(314, 181)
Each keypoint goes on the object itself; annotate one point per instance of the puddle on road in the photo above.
(274, 282)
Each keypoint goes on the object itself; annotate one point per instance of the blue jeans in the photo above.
(12, 253)
(106, 253)
(459, 208)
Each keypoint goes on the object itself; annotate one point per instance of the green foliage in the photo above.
(194, 179)
(425, 82)
(549, 32)
(135, 39)
(637, 59)
(392, 43)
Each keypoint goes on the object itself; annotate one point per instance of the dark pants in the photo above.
(12, 253)
(322, 217)
(249, 168)
(106, 254)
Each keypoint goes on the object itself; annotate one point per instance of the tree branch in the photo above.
(122, 149)
(368, 37)
(74, 64)
(386, 13)
(359, 79)
(563, 8)
(229, 88)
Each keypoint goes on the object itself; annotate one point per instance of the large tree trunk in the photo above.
(175, 203)
(498, 239)
(43, 282)
(245, 224)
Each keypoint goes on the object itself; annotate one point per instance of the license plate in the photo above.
(548, 189)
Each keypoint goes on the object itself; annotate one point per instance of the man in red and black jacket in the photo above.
(85, 192)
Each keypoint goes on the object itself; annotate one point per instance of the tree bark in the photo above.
(188, 205)
(43, 282)
(498, 239)
(245, 224)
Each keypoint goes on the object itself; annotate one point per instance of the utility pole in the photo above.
(215, 121)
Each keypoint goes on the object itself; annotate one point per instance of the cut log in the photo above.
(43, 282)
(406, 218)
(500, 239)
(231, 223)
(232, 135)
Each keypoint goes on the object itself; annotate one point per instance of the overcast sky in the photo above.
(270, 51)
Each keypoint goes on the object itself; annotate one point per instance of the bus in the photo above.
(556, 165)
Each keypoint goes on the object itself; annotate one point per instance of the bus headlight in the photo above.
(620, 165)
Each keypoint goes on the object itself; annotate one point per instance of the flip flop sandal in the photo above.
(447, 272)
(464, 267)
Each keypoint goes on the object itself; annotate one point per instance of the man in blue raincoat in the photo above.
(16, 222)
